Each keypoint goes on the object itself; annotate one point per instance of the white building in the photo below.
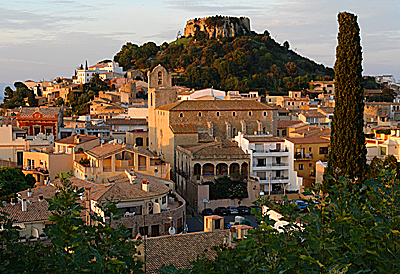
(202, 94)
(84, 75)
(270, 162)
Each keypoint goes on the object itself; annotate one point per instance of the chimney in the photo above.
(40, 197)
(29, 192)
(24, 207)
(145, 185)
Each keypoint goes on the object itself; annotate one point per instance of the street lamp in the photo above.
(270, 184)
(284, 189)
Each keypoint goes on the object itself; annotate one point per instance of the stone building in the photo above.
(199, 165)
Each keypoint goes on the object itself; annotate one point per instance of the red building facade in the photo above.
(35, 120)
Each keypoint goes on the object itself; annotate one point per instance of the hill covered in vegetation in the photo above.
(247, 62)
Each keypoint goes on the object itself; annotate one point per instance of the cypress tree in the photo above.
(348, 152)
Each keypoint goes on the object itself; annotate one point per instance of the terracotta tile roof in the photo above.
(41, 110)
(285, 124)
(326, 110)
(105, 150)
(299, 125)
(204, 137)
(183, 128)
(36, 211)
(73, 139)
(48, 191)
(212, 105)
(263, 139)
(307, 140)
(313, 114)
(180, 249)
(9, 120)
(313, 131)
(216, 148)
(122, 189)
(126, 121)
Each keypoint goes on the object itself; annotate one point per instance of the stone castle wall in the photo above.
(215, 27)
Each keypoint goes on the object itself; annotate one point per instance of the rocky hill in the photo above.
(218, 26)
(243, 60)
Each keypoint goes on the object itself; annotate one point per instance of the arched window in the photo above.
(181, 114)
(265, 113)
(159, 78)
(234, 113)
(234, 132)
(250, 113)
(218, 113)
(199, 114)
(139, 141)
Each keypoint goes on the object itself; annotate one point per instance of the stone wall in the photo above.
(218, 26)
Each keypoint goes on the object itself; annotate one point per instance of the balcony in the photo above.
(37, 170)
(273, 166)
(302, 156)
(272, 152)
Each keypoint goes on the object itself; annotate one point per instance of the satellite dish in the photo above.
(171, 230)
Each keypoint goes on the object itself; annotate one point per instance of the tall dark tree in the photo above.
(348, 151)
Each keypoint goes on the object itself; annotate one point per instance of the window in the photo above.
(20, 158)
(49, 131)
(265, 113)
(323, 150)
(284, 133)
(181, 114)
(217, 224)
(164, 199)
(250, 113)
(218, 113)
(155, 230)
(199, 114)
(144, 230)
(261, 162)
(310, 164)
(36, 130)
(301, 166)
(234, 131)
(234, 113)
(262, 175)
(309, 149)
(139, 141)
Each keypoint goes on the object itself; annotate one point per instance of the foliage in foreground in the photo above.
(12, 181)
(351, 229)
(74, 246)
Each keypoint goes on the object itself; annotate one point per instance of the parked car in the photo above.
(233, 210)
(243, 210)
(221, 211)
(302, 205)
(207, 212)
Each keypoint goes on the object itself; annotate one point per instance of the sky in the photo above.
(51, 38)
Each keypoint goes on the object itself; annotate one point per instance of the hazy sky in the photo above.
(46, 39)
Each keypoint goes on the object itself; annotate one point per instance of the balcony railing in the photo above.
(36, 170)
(271, 165)
(299, 155)
(270, 150)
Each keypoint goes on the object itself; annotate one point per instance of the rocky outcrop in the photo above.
(218, 26)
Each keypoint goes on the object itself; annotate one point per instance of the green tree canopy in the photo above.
(12, 181)
(347, 156)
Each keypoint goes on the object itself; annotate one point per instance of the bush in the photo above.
(226, 188)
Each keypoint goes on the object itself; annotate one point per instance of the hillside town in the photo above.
(184, 166)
